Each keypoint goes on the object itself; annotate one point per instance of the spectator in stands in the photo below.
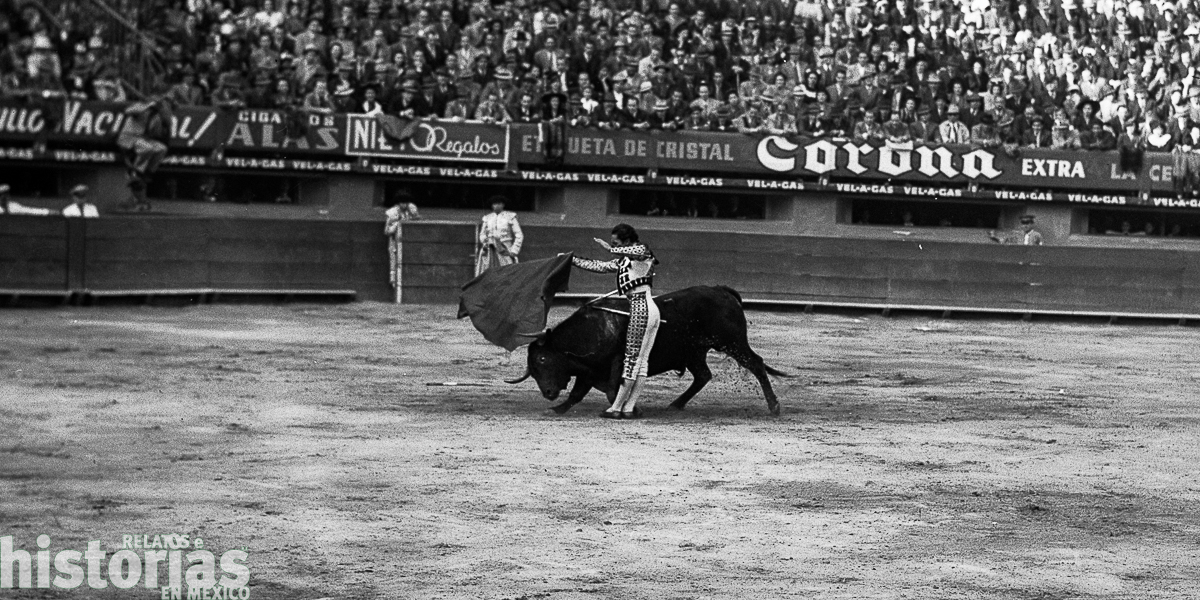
(370, 105)
(187, 92)
(780, 121)
(677, 109)
(839, 92)
(343, 96)
(1105, 140)
(633, 117)
(282, 98)
(983, 134)
(79, 206)
(868, 130)
(1062, 135)
(724, 120)
(45, 69)
(491, 110)
(1158, 138)
(896, 132)
(607, 116)
(1036, 136)
(704, 101)
(228, 94)
(319, 101)
(1087, 119)
(751, 120)
(526, 112)
(924, 130)
(659, 120)
(310, 68)
(870, 95)
(1093, 60)
(259, 95)
(696, 121)
(953, 131)
(458, 109)
(973, 113)
(9, 207)
(1023, 122)
(409, 103)
(108, 89)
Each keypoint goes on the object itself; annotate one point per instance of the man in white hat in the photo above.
(79, 206)
(8, 207)
(952, 130)
(659, 120)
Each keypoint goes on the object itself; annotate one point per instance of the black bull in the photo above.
(590, 346)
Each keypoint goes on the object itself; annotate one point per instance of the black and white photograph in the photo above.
(599, 299)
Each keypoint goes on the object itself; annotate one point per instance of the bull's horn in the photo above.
(522, 378)
(535, 335)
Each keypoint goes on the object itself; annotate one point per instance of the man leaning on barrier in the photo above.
(8, 207)
(79, 206)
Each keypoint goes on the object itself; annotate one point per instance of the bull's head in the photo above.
(548, 367)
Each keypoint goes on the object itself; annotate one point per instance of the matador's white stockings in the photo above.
(627, 396)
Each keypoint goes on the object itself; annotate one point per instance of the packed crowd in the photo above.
(1087, 74)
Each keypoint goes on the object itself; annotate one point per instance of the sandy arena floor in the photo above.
(915, 458)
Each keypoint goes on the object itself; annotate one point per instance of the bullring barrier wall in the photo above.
(139, 254)
(142, 255)
(786, 268)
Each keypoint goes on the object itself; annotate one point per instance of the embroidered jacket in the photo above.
(501, 229)
(634, 266)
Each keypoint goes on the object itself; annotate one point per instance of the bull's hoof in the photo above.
(634, 414)
(674, 406)
(560, 409)
(607, 414)
(774, 409)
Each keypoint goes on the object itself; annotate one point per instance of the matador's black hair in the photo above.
(625, 233)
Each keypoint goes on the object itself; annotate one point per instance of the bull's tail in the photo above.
(775, 372)
(732, 292)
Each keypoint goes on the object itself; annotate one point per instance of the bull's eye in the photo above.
(542, 359)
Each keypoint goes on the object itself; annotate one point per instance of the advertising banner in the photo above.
(431, 140)
(838, 158)
(777, 162)
(266, 130)
(367, 166)
(193, 128)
